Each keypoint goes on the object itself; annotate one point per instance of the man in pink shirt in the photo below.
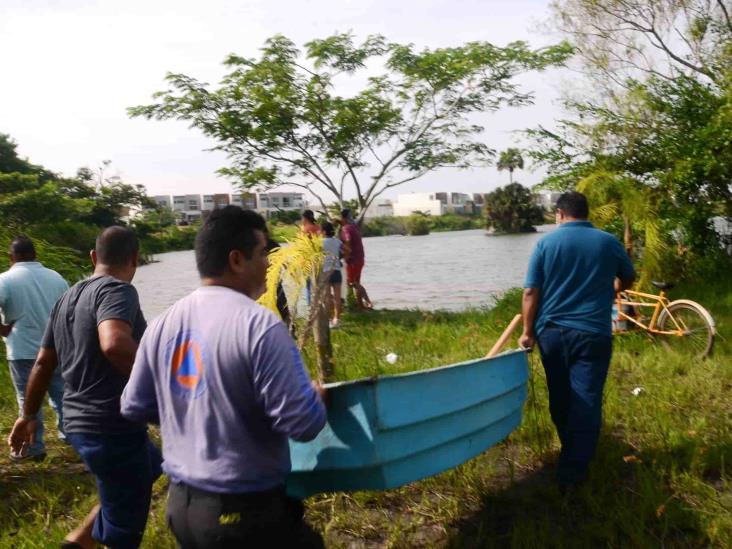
(355, 258)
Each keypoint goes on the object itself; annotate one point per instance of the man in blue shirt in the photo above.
(28, 292)
(572, 278)
(222, 376)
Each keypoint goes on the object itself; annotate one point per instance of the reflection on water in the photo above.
(450, 271)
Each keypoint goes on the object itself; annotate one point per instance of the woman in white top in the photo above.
(332, 247)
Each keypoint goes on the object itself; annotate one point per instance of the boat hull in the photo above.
(389, 431)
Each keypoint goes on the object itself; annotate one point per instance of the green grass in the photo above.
(661, 477)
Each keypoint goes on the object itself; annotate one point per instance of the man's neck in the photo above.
(114, 272)
(227, 282)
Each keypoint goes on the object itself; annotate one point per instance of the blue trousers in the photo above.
(125, 466)
(576, 365)
(20, 371)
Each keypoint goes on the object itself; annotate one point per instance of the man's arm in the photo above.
(24, 430)
(4, 328)
(117, 344)
(139, 400)
(292, 402)
(529, 308)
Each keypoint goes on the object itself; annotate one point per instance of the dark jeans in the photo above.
(576, 365)
(125, 466)
(202, 520)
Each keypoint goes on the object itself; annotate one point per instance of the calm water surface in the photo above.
(451, 271)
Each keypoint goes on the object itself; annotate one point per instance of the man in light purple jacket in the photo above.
(227, 385)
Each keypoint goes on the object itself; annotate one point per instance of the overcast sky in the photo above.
(70, 68)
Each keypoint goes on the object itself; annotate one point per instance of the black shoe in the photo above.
(20, 458)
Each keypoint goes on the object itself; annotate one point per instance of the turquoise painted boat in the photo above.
(388, 431)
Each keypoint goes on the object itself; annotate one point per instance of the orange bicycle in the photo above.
(682, 324)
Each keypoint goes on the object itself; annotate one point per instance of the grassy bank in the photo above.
(661, 477)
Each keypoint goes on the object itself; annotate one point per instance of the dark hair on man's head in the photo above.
(574, 204)
(224, 230)
(22, 249)
(116, 246)
(346, 213)
(309, 215)
(328, 228)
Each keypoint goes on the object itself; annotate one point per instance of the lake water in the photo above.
(451, 271)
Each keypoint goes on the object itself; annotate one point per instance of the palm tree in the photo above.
(616, 196)
(510, 159)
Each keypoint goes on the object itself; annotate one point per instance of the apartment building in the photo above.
(456, 203)
(381, 207)
(271, 202)
(407, 204)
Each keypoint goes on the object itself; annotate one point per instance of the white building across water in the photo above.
(189, 208)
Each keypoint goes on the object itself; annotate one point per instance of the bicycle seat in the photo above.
(662, 285)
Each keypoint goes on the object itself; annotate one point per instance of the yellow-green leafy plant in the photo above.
(292, 265)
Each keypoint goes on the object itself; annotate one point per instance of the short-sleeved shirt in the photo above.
(332, 248)
(575, 267)
(28, 292)
(350, 233)
(226, 382)
(92, 386)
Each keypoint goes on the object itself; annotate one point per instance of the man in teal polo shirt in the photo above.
(572, 278)
(28, 292)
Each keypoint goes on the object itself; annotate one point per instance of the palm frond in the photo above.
(294, 263)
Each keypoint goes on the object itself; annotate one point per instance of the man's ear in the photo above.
(136, 260)
(237, 261)
(94, 259)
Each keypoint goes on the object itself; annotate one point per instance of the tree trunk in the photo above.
(627, 236)
(321, 328)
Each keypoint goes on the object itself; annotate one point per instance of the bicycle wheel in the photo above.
(697, 324)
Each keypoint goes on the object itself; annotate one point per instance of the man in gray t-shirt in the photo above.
(92, 336)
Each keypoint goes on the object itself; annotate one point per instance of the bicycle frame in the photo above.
(659, 303)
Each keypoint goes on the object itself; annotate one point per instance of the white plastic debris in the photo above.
(391, 358)
(637, 391)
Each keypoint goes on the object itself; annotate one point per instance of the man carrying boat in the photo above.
(571, 281)
(227, 385)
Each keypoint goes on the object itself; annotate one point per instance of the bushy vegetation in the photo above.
(511, 209)
(385, 226)
(64, 215)
(417, 224)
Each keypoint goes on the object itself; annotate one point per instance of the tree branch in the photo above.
(725, 12)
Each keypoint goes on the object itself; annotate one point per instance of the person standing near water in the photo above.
(355, 258)
(571, 281)
(227, 384)
(309, 226)
(28, 292)
(332, 248)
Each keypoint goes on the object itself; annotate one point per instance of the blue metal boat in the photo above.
(388, 431)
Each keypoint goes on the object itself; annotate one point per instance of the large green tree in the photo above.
(652, 143)
(285, 118)
(511, 209)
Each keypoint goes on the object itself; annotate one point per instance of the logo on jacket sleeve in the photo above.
(186, 358)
